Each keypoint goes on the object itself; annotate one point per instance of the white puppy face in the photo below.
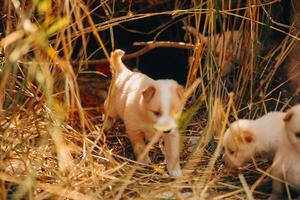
(163, 104)
(239, 145)
(292, 125)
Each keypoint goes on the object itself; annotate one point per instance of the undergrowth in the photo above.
(52, 147)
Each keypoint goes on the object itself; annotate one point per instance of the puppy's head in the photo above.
(239, 144)
(162, 103)
(292, 126)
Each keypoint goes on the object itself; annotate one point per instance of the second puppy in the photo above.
(147, 107)
(246, 138)
(286, 164)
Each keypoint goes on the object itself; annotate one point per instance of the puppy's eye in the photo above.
(297, 134)
(231, 152)
(156, 113)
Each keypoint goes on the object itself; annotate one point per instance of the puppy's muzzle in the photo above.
(166, 125)
(166, 129)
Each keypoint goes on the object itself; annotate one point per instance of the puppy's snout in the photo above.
(166, 125)
(226, 161)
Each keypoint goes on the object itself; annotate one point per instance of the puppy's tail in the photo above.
(116, 64)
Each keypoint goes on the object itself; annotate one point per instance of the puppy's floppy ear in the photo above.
(149, 93)
(247, 136)
(288, 116)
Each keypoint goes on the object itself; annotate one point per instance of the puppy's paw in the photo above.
(176, 172)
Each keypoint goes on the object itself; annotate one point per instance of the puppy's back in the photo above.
(270, 131)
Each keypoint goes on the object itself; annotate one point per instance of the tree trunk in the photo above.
(292, 62)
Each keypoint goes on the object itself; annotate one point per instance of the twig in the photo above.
(148, 47)
(246, 187)
(165, 44)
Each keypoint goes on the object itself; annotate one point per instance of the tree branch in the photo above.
(148, 47)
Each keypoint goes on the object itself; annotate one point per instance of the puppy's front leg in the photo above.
(277, 190)
(277, 186)
(138, 143)
(172, 153)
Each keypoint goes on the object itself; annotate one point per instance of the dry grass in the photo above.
(53, 148)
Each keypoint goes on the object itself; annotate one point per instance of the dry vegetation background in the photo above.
(52, 145)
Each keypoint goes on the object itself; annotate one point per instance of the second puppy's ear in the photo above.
(149, 93)
(247, 136)
(288, 116)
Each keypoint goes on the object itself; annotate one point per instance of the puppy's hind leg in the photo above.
(172, 154)
(138, 143)
(110, 114)
(109, 123)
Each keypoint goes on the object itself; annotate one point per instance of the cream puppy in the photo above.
(147, 107)
(246, 138)
(286, 164)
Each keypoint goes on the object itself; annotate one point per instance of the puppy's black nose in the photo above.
(167, 131)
